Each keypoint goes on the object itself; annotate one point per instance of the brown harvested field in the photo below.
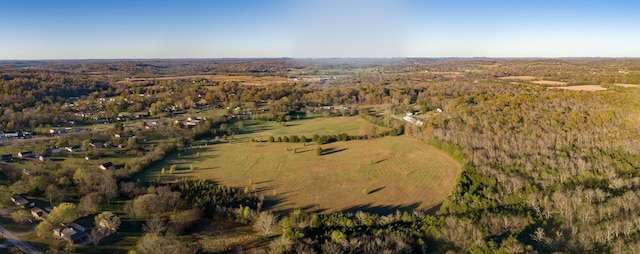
(520, 78)
(627, 85)
(401, 173)
(589, 88)
(550, 83)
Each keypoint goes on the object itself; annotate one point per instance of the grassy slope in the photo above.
(401, 172)
(307, 127)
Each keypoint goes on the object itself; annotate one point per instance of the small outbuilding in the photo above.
(106, 165)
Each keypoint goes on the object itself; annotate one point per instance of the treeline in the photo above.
(545, 171)
(553, 166)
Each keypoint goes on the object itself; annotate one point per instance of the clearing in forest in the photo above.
(627, 85)
(550, 83)
(378, 175)
(519, 78)
(589, 88)
(261, 130)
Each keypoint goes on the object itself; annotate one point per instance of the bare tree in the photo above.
(97, 234)
(90, 203)
(155, 225)
(265, 223)
(128, 188)
(181, 221)
(54, 194)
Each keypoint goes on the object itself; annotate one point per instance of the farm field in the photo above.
(626, 85)
(398, 172)
(590, 88)
(261, 130)
(550, 83)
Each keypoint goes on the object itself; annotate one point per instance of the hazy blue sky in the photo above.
(318, 28)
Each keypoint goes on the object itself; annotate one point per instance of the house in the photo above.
(72, 232)
(106, 165)
(7, 157)
(39, 213)
(194, 119)
(97, 145)
(12, 135)
(57, 132)
(73, 149)
(22, 201)
(27, 154)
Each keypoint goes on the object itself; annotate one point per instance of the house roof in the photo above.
(70, 232)
(39, 213)
(20, 200)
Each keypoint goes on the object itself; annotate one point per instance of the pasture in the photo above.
(627, 85)
(261, 130)
(379, 175)
(589, 88)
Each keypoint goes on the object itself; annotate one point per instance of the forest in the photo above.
(544, 168)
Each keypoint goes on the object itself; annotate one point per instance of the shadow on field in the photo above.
(271, 202)
(301, 151)
(379, 161)
(331, 150)
(382, 209)
(264, 181)
(434, 210)
(376, 190)
(312, 208)
(255, 129)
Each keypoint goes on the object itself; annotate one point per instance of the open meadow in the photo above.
(380, 175)
(261, 130)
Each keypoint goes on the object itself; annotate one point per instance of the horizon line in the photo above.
(315, 58)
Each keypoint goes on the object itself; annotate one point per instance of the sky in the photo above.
(119, 29)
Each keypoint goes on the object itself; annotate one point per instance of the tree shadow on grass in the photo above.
(434, 210)
(270, 202)
(382, 209)
(379, 161)
(312, 208)
(332, 150)
(376, 190)
(302, 151)
(263, 181)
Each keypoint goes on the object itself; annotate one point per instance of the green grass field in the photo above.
(397, 172)
(307, 127)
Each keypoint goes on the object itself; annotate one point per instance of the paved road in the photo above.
(27, 248)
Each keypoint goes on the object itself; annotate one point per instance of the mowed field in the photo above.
(589, 88)
(379, 175)
(261, 130)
